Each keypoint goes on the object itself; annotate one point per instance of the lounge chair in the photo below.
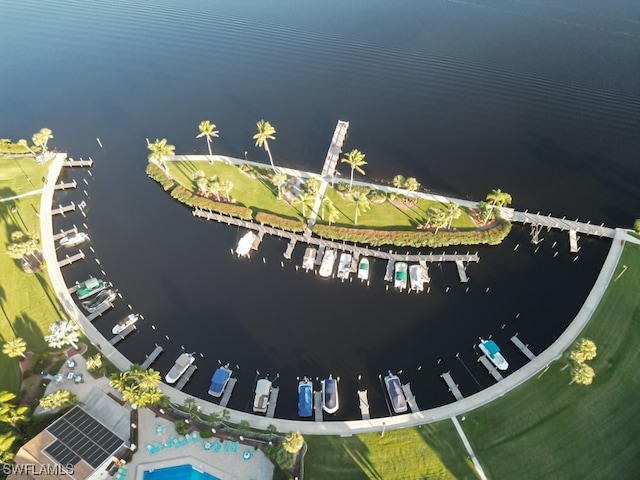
(157, 447)
(206, 445)
(151, 450)
(228, 447)
(123, 471)
(117, 476)
(172, 442)
(182, 442)
(235, 447)
(189, 439)
(196, 437)
(217, 447)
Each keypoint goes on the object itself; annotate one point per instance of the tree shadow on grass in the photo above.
(337, 457)
(449, 449)
(27, 328)
(3, 299)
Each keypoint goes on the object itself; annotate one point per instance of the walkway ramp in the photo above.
(273, 398)
(257, 240)
(227, 392)
(151, 357)
(363, 400)
(411, 400)
(62, 210)
(64, 233)
(453, 387)
(186, 376)
(64, 186)
(121, 336)
(523, 348)
(573, 241)
(290, 247)
(317, 405)
(490, 367)
(77, 163)
(462, 273)
(70, 259)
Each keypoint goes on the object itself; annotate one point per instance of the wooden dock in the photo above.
(185, 377)
(425, 271)
(273, 398)
(462, 273)
(64, 186)
(151, 357)
(62, 210)
(77, 163)
(411, 399)
(388, 274)
(121, 336)
(573, 241)
(258, 240)
(319, 255)
(70, 259)
(490, 367)
(557, 223)
(453, 387)
(100, 311)
(227, 392)
(290, 247)
(317, 405)
(363, 399)
(64, 233)
(523, 348)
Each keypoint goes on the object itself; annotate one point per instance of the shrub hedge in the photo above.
(187, 197)
(158, 174)
(277, 221)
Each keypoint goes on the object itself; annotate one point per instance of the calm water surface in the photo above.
(539, 99)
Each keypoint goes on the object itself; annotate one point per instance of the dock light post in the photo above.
(383, 427)
(245, 156)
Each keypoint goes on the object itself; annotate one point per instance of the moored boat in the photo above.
(183, 362)
(76, 239)
(328, 260)
(344, 265)
(415, 276)
(261, 399)
(245, 243)
(308, 261)
(125, 323)
(305, 398)
(330, 400)
(492, 351)
(363, 269)
(101, 299)
(396, 395)
(400, 276)
(89, 287)
(219, 380)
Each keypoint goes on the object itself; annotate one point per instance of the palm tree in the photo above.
(160, 149)
(333, 215)
(279, 179)
(437, 217)
(226, 186)
(411, 184)
(582, 374)
(398, 181)
(362, 204)
(94, 363)
(293, 442)
(583, 350)
(326, 203)
(355, 159)
(215, 186)
(41, 139)
(265, 132)
(453, 212)
(138, 386)
(63, 332)
(9, 413)
(25, 144)
(15, 348)
(23, 245)
(207, 130)
(6, 442)
(203, 185)
(148, 379)
(306, 200)
(497, 198)
(58, 399)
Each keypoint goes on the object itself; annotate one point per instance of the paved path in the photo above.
(334, 428)
(15, 197)
(467, 445)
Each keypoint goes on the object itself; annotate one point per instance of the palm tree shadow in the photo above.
(448, 454)
(3, 298)
(47, 290)
(25, 327)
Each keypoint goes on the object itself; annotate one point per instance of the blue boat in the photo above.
(219, 380)
(305, 398)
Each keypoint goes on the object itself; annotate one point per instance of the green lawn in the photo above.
(253, 193)
(432, 451)
(547, 428)
(28, 302)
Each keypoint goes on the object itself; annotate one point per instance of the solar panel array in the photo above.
(80, 436)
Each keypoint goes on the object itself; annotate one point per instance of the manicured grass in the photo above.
(431, 451)
(547, 428)
(27, 301)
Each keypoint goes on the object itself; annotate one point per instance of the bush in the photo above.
(636, 225)
(187, 197)
(284, 459)
(206, 434)
(290, 224)
(182, 427)
(377, 197)
(158, 174)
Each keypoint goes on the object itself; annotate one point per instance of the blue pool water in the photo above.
(179, 472)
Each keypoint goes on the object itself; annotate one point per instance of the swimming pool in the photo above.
(179, 472)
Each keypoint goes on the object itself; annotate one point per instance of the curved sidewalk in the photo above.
(328, 428)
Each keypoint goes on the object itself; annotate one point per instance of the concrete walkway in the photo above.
(330, 428)
(470, 451)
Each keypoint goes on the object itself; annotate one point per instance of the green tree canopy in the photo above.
(160, 150)
(293, 442)
(583, 350)
(58, 399)
(207, 130)
(138, 386)
(355, 159)
(265, 132)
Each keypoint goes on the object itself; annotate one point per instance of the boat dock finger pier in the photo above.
(523, 348)
(490, 367)
(317, 406)
(227, 392)
(453, 387)
(363, 400)
(151, 357)
(185, 377)
(411, 399)
(273, 399)
(70, 259)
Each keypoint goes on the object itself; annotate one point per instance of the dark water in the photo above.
(539, 99)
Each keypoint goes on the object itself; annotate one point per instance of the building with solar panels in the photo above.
(80, 445)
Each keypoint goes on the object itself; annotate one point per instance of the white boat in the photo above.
(261, 400)
(101, 299)
(330, 400)
(400, 276)
(344, 265)
(245, 243)
(492, 351)
(183, 362)
(77, 239)
(396, 395)
(415, 276)
(125, 323)
(328, 260)
(363, 269)
(309, 258)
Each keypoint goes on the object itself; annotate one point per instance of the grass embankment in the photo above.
(386, 223)
(547, 428)
(432, 451)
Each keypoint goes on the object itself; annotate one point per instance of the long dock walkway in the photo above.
(557, 223)
(354, 249)
(152, 357)
(523, 348)
(453, 387)
(227, 392)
